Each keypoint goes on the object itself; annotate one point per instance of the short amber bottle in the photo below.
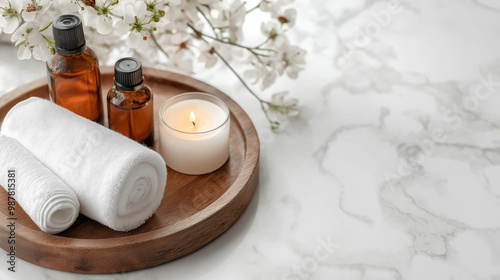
(73, 72)
(130, 103)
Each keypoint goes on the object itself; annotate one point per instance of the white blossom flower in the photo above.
(178, 48)
(231, 18)
(261, 71)
(287, 59)
(10, 15)
(293, 58)
(286, 106)
(288, 17)
(173, 20)
(272, 31)
(33, 8)
(29, 39)
(281, 109)
(269, 79)
(97, 14)
(207, 53)
(159, 9)
(136, 23)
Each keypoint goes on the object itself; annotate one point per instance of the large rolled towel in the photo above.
(119, 182)
(49, 202)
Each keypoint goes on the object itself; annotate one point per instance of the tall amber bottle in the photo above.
(73, 72)
(130, 103)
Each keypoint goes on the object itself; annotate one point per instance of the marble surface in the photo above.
(392, 170)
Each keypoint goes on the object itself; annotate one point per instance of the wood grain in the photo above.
(194, 210)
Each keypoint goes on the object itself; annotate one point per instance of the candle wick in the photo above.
(194, 124)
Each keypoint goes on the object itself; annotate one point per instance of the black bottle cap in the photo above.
(68, 34)
(128, 74)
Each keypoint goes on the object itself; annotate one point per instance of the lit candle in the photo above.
(194, 133)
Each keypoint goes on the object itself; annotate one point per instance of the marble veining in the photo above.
(392, 170)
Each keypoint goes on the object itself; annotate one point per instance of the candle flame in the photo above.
(192, 118)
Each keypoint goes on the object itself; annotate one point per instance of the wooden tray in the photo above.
(194, 211)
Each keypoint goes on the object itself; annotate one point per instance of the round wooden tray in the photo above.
(194, 211)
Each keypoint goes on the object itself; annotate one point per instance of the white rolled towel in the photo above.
(119, 182)
(49, 202)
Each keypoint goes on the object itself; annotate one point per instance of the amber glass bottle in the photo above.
(73, 72)
(130, 103)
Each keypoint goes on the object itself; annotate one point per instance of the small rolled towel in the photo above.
(49, 202)
(119, 182)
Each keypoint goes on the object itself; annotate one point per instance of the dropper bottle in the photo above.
(130, 103)
(73, 72)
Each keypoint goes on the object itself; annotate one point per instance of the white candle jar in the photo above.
(194, 133)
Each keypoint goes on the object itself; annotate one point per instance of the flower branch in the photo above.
(267, 107)
(173, 28)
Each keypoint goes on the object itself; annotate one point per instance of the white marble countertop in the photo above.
(392, 170)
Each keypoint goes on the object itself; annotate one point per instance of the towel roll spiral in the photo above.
(119, 182)
(49, 202)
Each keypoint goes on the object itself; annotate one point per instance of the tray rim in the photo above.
(251, 144)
